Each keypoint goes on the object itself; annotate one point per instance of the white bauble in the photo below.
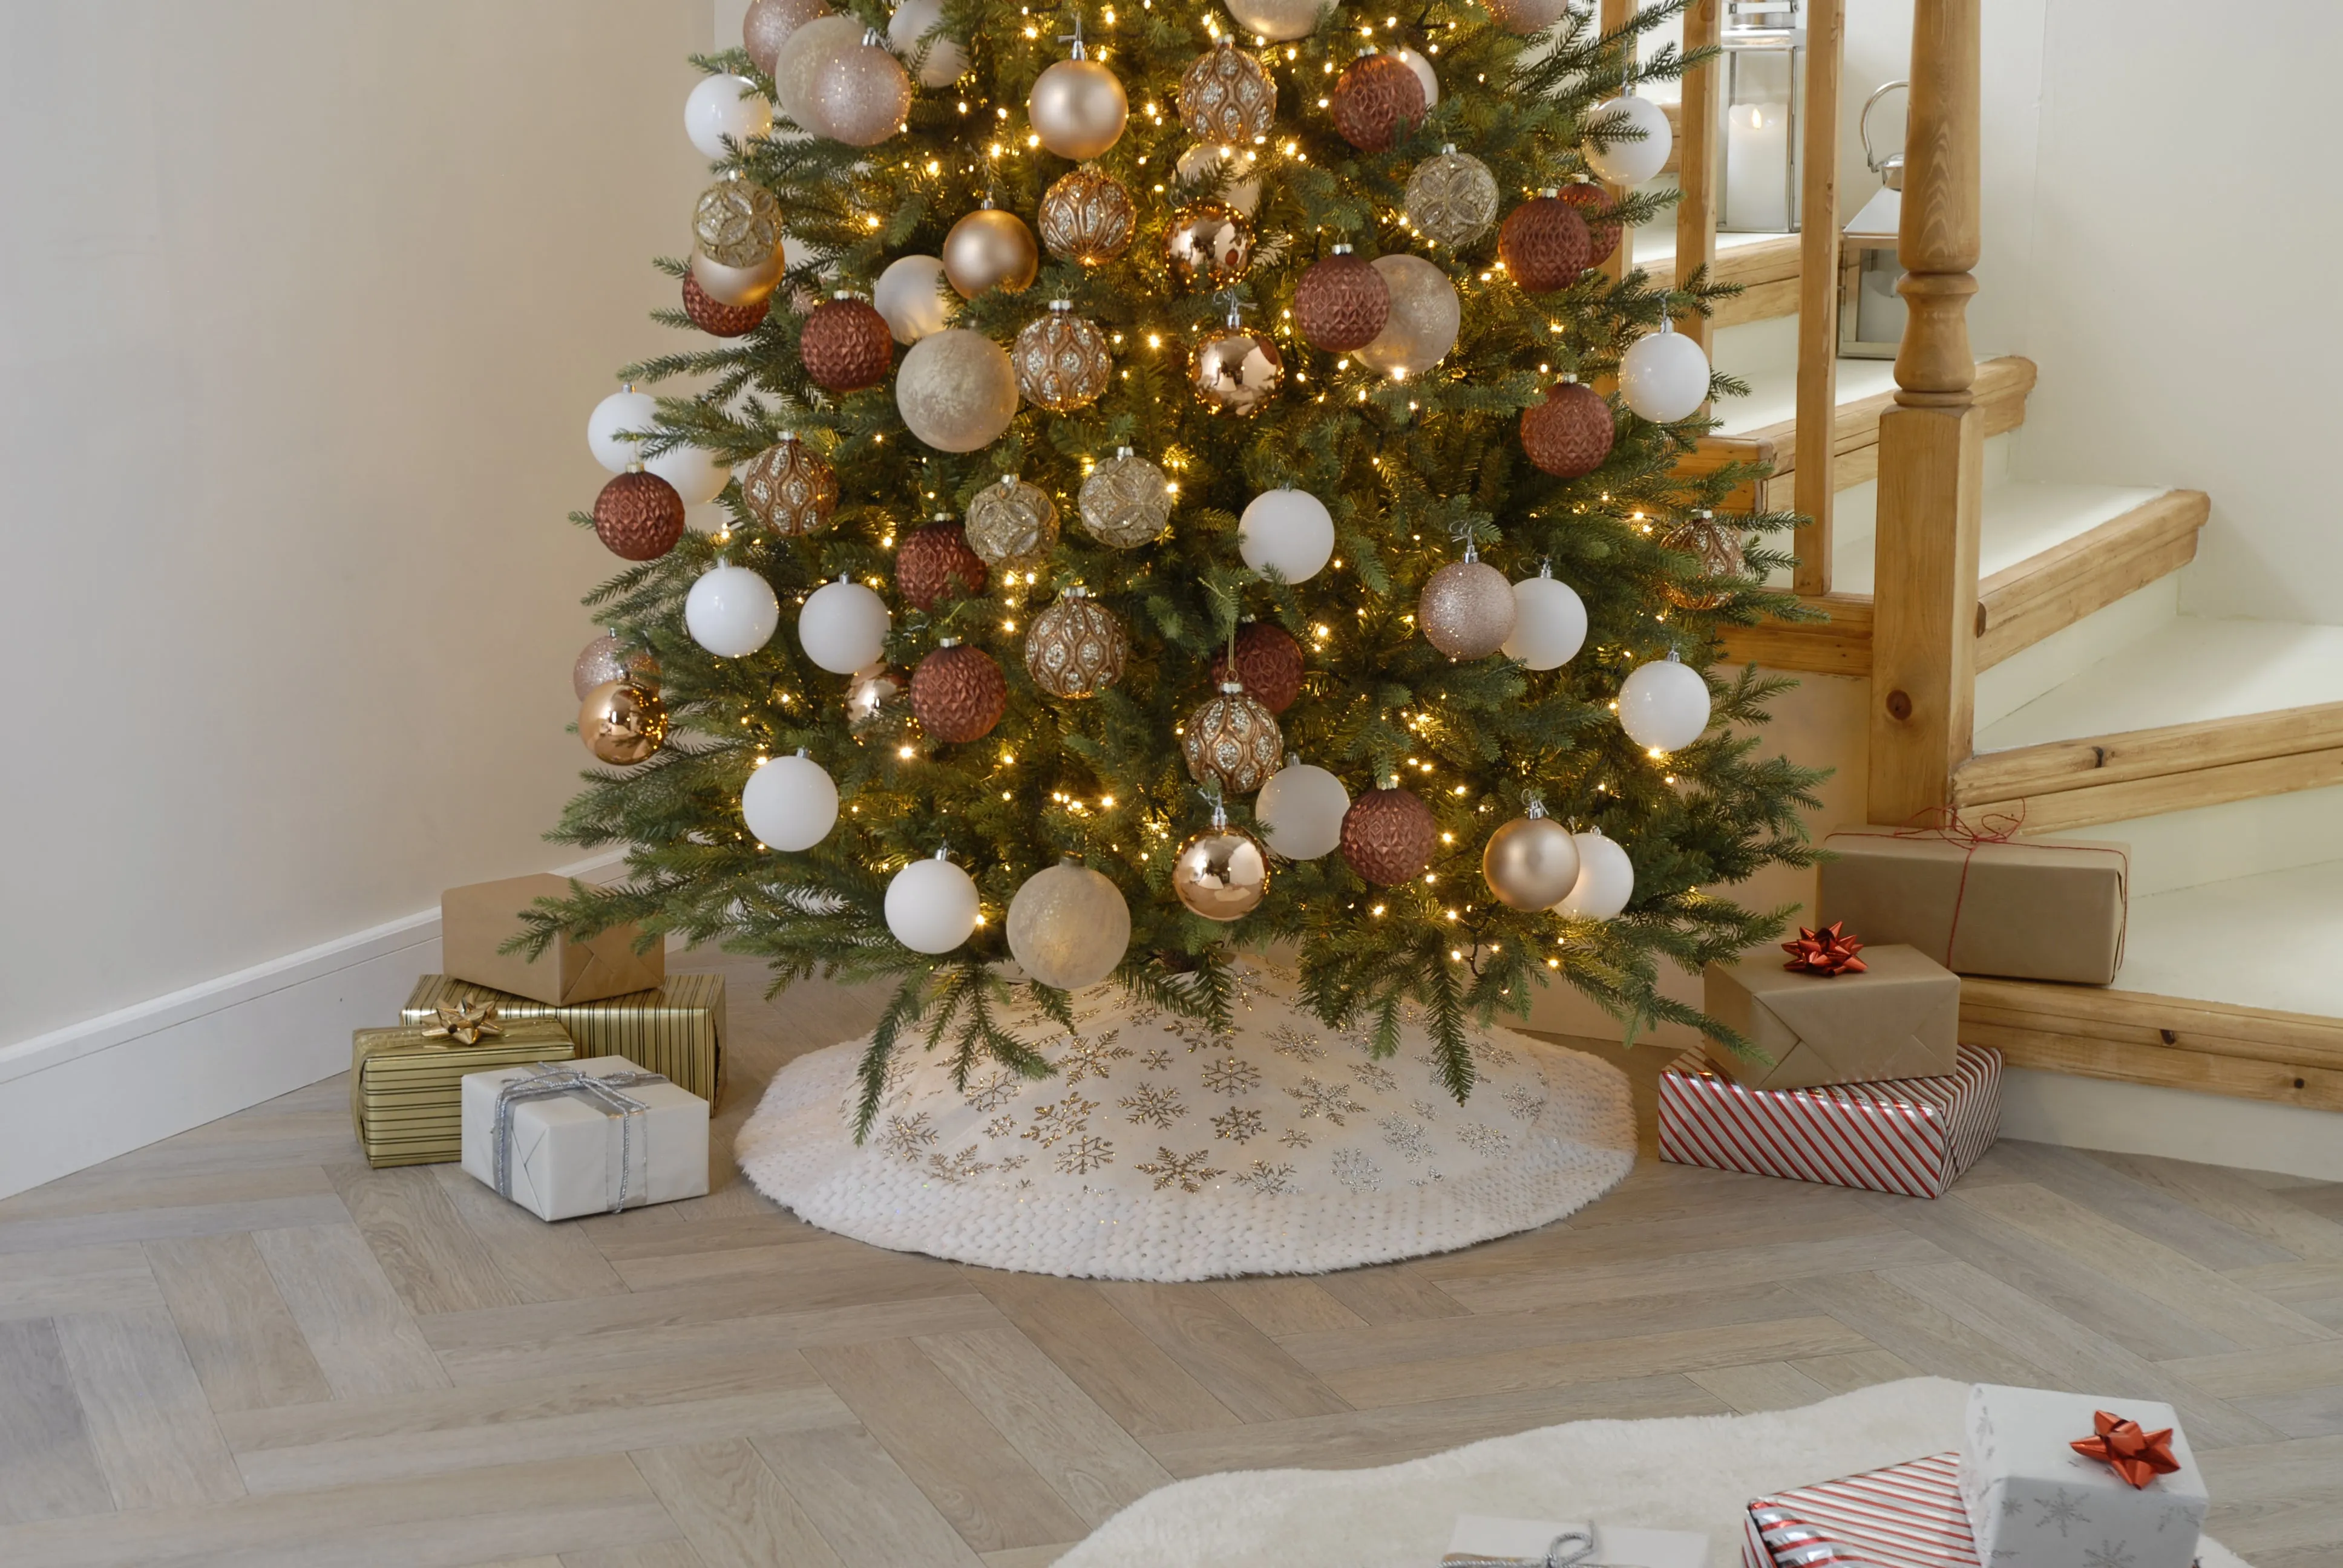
(912, 21)
(1423, 73)
(1287, 531)
(1631, 163)
(1205, 157)
(1549, 623)
(791, 803)
(1664, 377)
(620, 411)
(1278, 21)
(907, 296)
(1607, 879)
(698, 474)
(1301, 810)
(1663, 705)
(843, 626)
(1426, 315)
(931, 906)
(731, 611)
(723, 106)
(1069, 926)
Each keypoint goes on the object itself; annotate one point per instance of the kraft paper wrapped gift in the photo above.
(1897, 1019)
(677, 1030)
(405, 1096)
(584, 1138)
(475, 921)
(2022, 909)
(1532, 1543)
(2032, 1499)
(1907, 1515)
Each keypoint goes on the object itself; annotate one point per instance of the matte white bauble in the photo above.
(1663, 705)
(1549, 623)
(1425, 315)
(931, 906)
(723, 106)
(1624, 163)
(731, 611)
(1301, 810)
(791, 803)
(1068, 926)
(1205, 157)
(1607, 879)
(736, 285)
(1286, 531)
(620, 411)
(912, 21)
(843, 626)
(1664, 377)
(1422, 69)
(698, 474)
(908, 295)
(1278, 21)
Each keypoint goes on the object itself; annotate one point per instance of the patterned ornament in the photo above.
(1388, 836)
(1569, 434)
(622, 722)
(1718, 546)
(1544, 242)
(1087, 217)
(1076, 648)
(935, 564)
(1012, 524)
(737, 221)
(1466, 609)
(603, 659)
(990, 248)
(846, 345)
(1594, 205)
(1341, 302)
(958, 693)
(1269, 665)
(870, 694)
(1376, 99)
(1062, 360)
(1226, 96)
(638, 515)
(1232, 741)
(789, 488)
(1220, 874)
(1829, 952)
(1235, 371)
(1209, 244)
(1451, 198)
(1126, 502)
(718, 319)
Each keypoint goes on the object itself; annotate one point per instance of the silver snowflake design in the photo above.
(1486, 1049)
(2062, 1509)
(1238, 1123)
(908, 1138)
(955, 1169)
(1523, 1104)
(1426, 1180)
(1266, 1180)
(1331, 1100)
(1483, 1140)
(1295, 1138)
(2179, 1514)
(1001, 1126)
(1191, 1172)
(1292, 1042)
(1091, 1057)
(1354, 1171)
(1196, 1034)
(1371, 1076)
(1152, 1107)
(1083, 1154)
(1424, 1109)
(1058, 1118)
(898, 1070)
(2011, 1507)
(1405, 1136)
(1156, 1061)
(1232, 1076)
(2110, 1554)
(994, 1090)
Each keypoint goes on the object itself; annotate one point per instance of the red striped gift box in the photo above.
(1905, 1516)
(1908, 1135)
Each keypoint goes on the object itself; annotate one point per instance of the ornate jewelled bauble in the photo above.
(1569, 434)
(1531, 862)
(1466, 608)
(957, 390)
(718, 319)
(603, 659)
(1594, 205)
(1269, 665)
(737, 223)
(958, 693)
(1077, 107)
(1062, 362)
(1012, 524)
(791, 489)
(1718, 546)
(1220, 874)
(835, 80)
(1226, 96)
(1544, 242)
(1452, 197)
(1126, 502)
(1076, 648)
(1209, 244)
(1388, 837)
(871, 692)
(1232, 741)
(638, 515)
(934, 564)
(1234, 371)
(1376, 100)
(622, 722)
(1341, 302)
(769, 22)
(990, 248)
(846, 345)
(1087, 217)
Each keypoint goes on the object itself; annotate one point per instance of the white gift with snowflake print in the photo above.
(2034, 1502)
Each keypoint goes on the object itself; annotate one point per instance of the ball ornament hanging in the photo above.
(743, 286)
(1208, 245)
(1664, 705)
(731, 611)
(1341, 303)
(638, 515)
(1717, 546)
(1231, 741)
(1377, 99)
(1062, 361)
(1278, 21)
(1426, 317)
(1544, 242)
(725, 105)
(835, 80)
(1451, 198)
(1012, 524)
(1227, 97)
(611, 429)
(789, 488)
(789, 803)
(717, 318)
(1269, 665)
(931, 906)
(1288, 532)
(1220, 873)
(1523, 17)
(958, 693)
(1606, 879)
(1389, 836)
(622, 722)
(1302, 810)
(1425, 74)
(990, 248)
(957, 390)
(698, 474)
(870, 694)
(1078, 106)
(605, 659)
(1624, 162)
(1549, 621)
(1570, 434)
(934, 564)
(914, 27)
(1664, 376)
(737, 223)
(769, 22)
(1069, 926)
(1205, 159)
(1594, 205)
(1531, 862)
(1087, 217)
(909, 295)
(1234, 370)
(842, 625)
(1076, 648)
(846, 345)
(1466, 607)
(1126, 501)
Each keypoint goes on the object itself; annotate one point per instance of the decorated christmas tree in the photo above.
(1191, 486)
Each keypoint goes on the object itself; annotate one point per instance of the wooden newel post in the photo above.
(1931, 443)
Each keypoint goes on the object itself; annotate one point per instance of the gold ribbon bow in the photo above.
(465, 1022)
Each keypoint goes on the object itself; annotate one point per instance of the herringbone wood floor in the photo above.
(242, 1346)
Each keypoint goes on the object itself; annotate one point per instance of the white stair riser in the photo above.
(2065, 653)
(2239, 839)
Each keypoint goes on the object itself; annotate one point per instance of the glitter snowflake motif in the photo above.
(1371, 1076)
(1424, 1110)
(1189, 1171)
(1266, 1181)
(1238, 1123)
(1523, 1102)
(2181, 1513)
(1427, 1179)
(994, 1090)
(897, 1072)
(1149, 1106)
(1091, 1057)
(2110, 1554)
(1485, 1140)
(1015, 1162)
(1232, 1076)
(1331, 1100)
(908, 1138)
(1056, 1120)
(1196, 1034)
(1295, 1138)
(2063, 1509)
(1003, 1126)
(1292, 1042)
(1156, 1061)
(1084, 1153)
(955, 1169)
(1355, 1171)
(1484, 1048)
(1407, 1136)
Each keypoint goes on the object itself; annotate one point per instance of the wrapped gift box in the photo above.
(1478, 1538)
(2031, 909)
(677, 1030)
(1904, 1516)
(405, 1095)
(1895, 1019)
(584, 1138)
(2033, 1499)
(476, 921)
(1912, 1135)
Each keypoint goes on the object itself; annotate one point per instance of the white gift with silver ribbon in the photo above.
(596, 1136)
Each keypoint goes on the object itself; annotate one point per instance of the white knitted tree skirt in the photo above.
(1158, 1151)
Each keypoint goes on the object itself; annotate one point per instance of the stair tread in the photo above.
(2019, 522)
(2190, 671)
(1772, 399)
(2267, 941)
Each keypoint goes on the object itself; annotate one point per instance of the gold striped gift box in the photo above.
(676, 1031)
(406, 1087)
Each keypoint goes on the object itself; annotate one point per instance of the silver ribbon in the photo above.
(552, 1083)
(1570, 1549)
(1794, 1543)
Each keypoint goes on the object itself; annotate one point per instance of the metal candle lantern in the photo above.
(1765, 44)
(1870, 311)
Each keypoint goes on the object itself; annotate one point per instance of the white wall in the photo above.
(302, 306)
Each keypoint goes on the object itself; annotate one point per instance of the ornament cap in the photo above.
(1342, 250)
(803, 752)
(1125, 452)
(1060, 306)
(1232, 687)
(1550, 192)
(1536, 812)
(946, 642)
(1074, 591)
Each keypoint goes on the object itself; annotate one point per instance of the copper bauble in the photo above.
(1269, 664)
(958, 694)
(1226, 96)
(990, 248)
(718, 319)
(1718, 545)
(1220, 874)
(1208, 245)
(622, 722)
(1076, 648)
(870, 694)
(1594, 205)
(789, 488)
(1376, 101)
(1126, 501)
(846, 345)
(1466, 609)
(1341, 302)
(638, 515)
(1088, 216)
(1389, 837)
(1077, 107)
(1452, 197)
(1523, 17)
(957, 391)
(1012, 524)
(737, 223)
(1569, 434)
(1062, 362)
(1544, 242)
(603, 659)
(769, 24)
(934, 564)
(1235, 371)
(1232, 741)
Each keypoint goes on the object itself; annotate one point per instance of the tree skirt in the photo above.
(1160, 1151)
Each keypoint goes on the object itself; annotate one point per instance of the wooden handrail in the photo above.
(1814, 481)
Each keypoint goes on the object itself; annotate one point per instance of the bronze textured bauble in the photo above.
(1531, 862)
(1718, 544)
(1062, 362)
(1078, 108)
(1126, 501)
(1523, 17)
(1569, 434)
(957, 390)
(638, 515)
(990, 248)
(1466, 609)
(737, 223)
(791, 489)
(1341, 302)
(769, 22)
(1076, 648)
(1376, 100)
(1451, 198)
(622, 722)
(1208, 245)
(1594, 205)
(1232, 741)
(1269, 665)
(1388, 837)
(846, 345)
(1012, 524)
(1087, 217)
(1220, 874)
(1544, 242)
(717, 318)
(1234, 371)
(603, 659)
(1226, 96)
(958, 694)
(870, 694)
(934, 564)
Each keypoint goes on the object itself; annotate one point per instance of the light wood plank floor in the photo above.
(243, 1346)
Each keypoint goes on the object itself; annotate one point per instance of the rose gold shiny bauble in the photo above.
(622, 723)
(1523, 17)
(846, 345)
(1226, 96)
(1388, 837)
(1012, 524)
(1569, 434)
(934, 564)
(602, 660)
(1078, 108)
(1220, 874)
(737, 223)
(990, 248)
(1341, 302)
(1062, 362)
(1234, 371)
(1076, 648)
(718, 319)
(1594, 205)
(1208, 245)
(1544, 242)
(1376, 100)
(1269, 664)
(769, 24)
(958, 694)
(1087, 217)
(638, 515)
(1466, 609)
(1126, 502)
(791, 489)
(1232, 740)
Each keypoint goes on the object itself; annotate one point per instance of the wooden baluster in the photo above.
(1931, 443)
(1697, 164)
(1613, 15)
(1814, 481)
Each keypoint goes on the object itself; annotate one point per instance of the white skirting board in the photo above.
(2171, 1123)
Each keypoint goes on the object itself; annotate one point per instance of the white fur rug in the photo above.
(1689, 1472)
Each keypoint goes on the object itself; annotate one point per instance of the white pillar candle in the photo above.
(1757, 168)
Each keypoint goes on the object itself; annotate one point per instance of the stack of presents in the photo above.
(1860, 1079)
(575, 1082)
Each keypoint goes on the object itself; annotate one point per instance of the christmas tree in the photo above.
(1230, 397)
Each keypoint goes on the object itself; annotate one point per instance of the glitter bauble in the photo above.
(1235, 371)
(1076, 648)
(1062, 360)
(1376, 101)
(1078, 108)
(1531, 862)
(718, 319)
(1341, 302)
(1068, 927)
(1569, 434)
(1718, 547)
(1126, 502)
(1451, 198)
(1088, 216)
(1220, 874)
(638, 515)
(1012, 524)
(834, 79)
(846, 345)
(603, 659)
(1523, 17)
(1544, 242)
(1208, 245)
(622, 722)
(769, 22)
(1466, 609)
(1426, 317)
(1278, 21)
(934, 564)
(1232, 741)
(990, 248)
(958, 694)
(789, 488)
(1269, 665)
(957, 390)
(1388, 837)
(1226, 96)
(870, 696)
(737, 223)
(1594, 205)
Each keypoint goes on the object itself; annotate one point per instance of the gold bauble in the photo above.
(1466, 609)
(791, 489)
(1012, 524)
(1226, 96)
(622, 722)
(1209, 244)
(1531, 862)
(1718, 546)
(1232, 741)
(1069, 926)
(740, 287)
(1078, 108)
(1076, 648)
(737, 223)
(956, 390)
(1087, 217)
(1452, 197)
(990, 248)
(1234, 371)
(1426, 315)
(1126, 502)
(1220, 874)
(1062, 360)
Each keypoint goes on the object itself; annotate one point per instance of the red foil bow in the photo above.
(1825, 952)
(2139, 1457)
